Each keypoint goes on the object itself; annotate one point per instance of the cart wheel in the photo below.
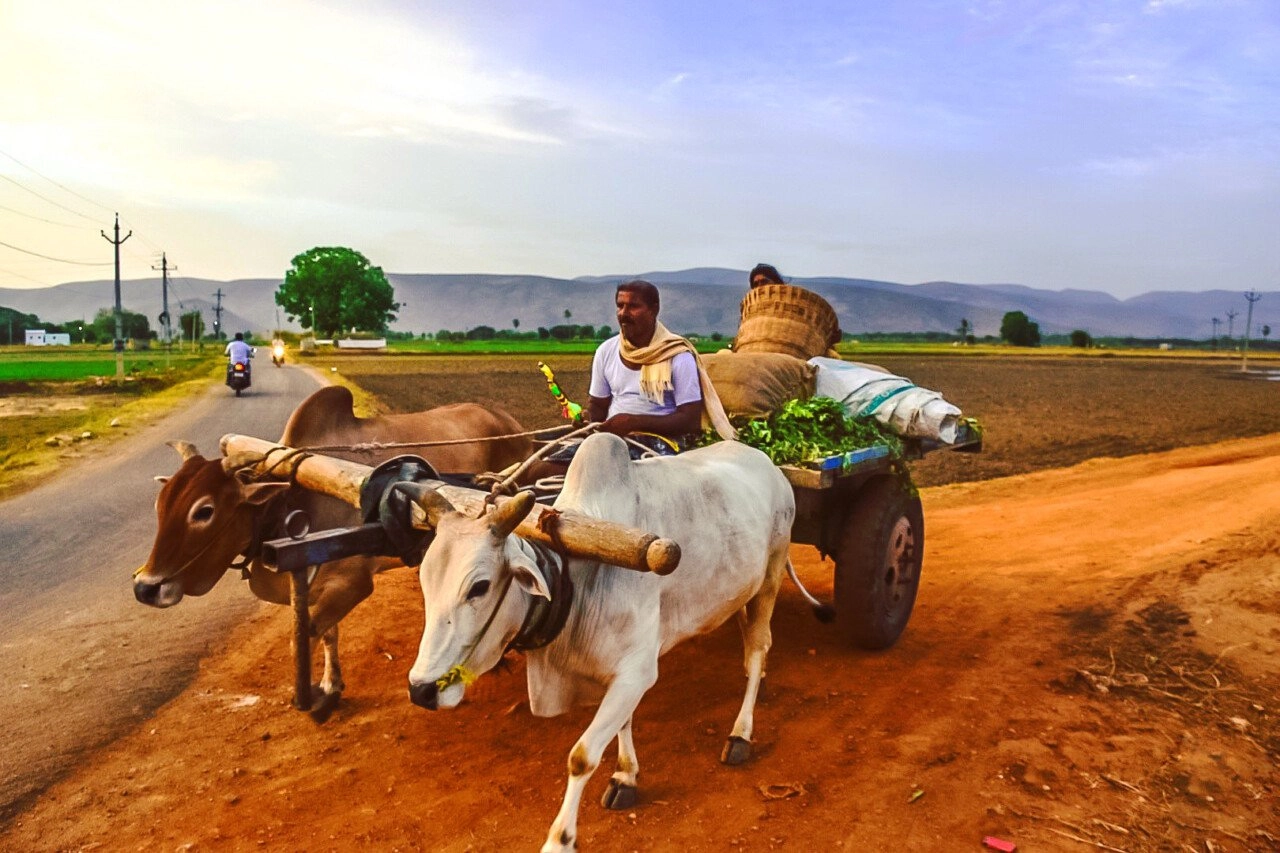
(878, 564)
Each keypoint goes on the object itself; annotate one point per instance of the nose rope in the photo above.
(459, 671)
(542, 622)
(197, 555)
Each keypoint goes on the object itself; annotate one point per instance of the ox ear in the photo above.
(161, 479)
(185, 448)
(259, 493)
(525, 573)
(507, 517)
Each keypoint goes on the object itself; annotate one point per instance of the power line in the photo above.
(25, 277)
(38, 218)
(51, 258)
(55, 183)
(46, 198)
(156, 249)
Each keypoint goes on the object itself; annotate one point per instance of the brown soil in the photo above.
(1092, 664)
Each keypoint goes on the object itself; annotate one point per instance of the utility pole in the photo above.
(119, 341)
(1252, 296)
(1231, 323)
(165, 322)
(217, 316)
(1216, 324)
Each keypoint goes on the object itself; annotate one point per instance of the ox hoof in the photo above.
(619, 796)
(736, 751)
(325, 704)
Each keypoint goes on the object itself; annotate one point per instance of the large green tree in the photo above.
(334, 289)
(1017, 329)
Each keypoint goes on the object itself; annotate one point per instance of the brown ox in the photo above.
(208, 514)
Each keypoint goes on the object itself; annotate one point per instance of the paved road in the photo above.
(80, 660)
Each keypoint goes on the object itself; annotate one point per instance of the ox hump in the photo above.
(324, 413)
(602, 464)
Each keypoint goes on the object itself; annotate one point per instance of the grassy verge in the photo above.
(40, 441)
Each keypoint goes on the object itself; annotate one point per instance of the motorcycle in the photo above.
(277, 353)
(238, 376)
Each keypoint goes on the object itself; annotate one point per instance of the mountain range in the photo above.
(701, 301)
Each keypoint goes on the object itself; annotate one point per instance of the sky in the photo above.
(1102, 145)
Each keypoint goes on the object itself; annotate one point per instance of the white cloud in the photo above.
(327, 70)
(668, 87)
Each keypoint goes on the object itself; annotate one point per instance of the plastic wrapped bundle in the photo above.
(894, 401)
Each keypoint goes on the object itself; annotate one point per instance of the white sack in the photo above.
(892, 400)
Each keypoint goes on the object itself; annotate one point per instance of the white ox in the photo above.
(728, 508)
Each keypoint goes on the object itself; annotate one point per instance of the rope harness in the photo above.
(246, 472)
(370, 446)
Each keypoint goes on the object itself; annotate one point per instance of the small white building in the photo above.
(41, 338)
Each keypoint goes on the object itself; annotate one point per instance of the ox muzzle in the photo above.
(156, 594)
(146, 593)
(425, 695)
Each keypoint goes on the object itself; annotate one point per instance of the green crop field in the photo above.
(21, 364)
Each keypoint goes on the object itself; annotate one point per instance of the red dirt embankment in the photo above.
(1092, 664)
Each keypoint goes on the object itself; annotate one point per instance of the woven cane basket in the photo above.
(787, 319)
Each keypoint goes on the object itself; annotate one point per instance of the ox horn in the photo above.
(427, 506)
(507, 517)
(185, 448)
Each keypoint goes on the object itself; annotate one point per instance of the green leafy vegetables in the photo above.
(804, 430)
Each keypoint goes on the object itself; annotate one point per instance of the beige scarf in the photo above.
(655, 375)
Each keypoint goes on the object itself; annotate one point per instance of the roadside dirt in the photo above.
(31, 405)
(1092, 664)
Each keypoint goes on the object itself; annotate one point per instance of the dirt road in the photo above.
(83, 661)
(1092, 664)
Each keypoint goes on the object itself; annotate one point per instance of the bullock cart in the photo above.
(858, 508)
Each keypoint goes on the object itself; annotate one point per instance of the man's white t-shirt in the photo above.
(611, 378)
(239, 351)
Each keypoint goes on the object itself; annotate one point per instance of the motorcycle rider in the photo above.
(238, 350)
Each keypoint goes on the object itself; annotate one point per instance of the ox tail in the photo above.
(824, 612)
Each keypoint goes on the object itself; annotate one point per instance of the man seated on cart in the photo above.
(647, 383)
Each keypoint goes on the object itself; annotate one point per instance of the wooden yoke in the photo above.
(580, 535)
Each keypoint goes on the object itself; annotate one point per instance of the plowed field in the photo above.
(1093, 664)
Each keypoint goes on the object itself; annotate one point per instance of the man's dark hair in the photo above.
(768, 270)
(239, 336)
(646, 291)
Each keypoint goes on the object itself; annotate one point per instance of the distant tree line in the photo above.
(101, 329)
(563, 332)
